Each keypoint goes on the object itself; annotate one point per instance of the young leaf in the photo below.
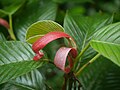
(43, 41)
(61, 56)
(15, 60)
(41, 28)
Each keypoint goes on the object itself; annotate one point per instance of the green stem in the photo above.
(49, 87)
(64, 87)
(11, 28)
(80, 54)
(92, 60)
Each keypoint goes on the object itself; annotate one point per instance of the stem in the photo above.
(84, 66)
(74, 85)
(80, 54)
(11, 28)
(70, 83)
(77, 80)
(64, 87)
(49, 87)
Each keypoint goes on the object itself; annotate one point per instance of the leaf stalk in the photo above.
(80, 54)
(84, 66)
(11, 28)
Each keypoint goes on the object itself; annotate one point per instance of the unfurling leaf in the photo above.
(61, 56)
(43, 41)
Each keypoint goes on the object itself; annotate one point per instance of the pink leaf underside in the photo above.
(4, 23)
(43, 41)
(61, 56)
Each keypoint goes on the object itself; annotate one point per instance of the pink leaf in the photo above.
(38, 56)
(61, 56)
(4, 23)
(43, 41)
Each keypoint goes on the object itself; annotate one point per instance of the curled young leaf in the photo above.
(61, 57)
(43, 41)
(4, 23)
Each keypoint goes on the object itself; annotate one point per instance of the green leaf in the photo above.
(41, 28)
(30, 81)
(82, 29)
(10, 8)
(109, 50)
(2, 37)
(33, 11)
(100, 75)
(71, 1)
(107, 42)
(15, 60)
(33, 80)
(110, 33)
(54, 77)
(111, 79)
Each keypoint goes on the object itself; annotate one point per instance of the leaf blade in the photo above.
(2, 37)
(10, 8)
(41, 28)
(109, 50)
(32, 80)
(110, 33)
(108, 37)
(15, 60)
(34, 11)
(100, 75)
(83, 28)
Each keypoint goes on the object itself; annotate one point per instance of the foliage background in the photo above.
(71, 14)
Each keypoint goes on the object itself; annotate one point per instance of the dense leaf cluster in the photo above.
(95, 27)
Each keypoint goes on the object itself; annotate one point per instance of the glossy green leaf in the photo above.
(41, 28)
(100, 75)
(15, 60)
(109, 50)
(107, 42)
(33, 11)
(82, 28)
